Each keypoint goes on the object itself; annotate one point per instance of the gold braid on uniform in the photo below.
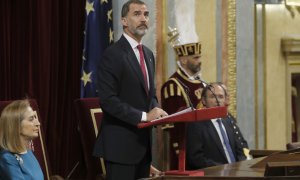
(170, 93)
(181, 90)
(182, 74)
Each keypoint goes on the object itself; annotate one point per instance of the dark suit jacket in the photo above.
(204, 147)
(123, 98)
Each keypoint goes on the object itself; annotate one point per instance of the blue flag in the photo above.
(98, 36)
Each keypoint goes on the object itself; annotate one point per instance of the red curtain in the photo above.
(40, 57)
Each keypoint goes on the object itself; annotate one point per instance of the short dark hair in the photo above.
(222, 85)
(125, 8)
(205, 89)
(210, 88)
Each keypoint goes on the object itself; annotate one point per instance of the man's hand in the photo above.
(156, 113)
(155, 172)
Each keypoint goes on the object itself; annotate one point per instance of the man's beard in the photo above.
(195, 69)
(139, 31)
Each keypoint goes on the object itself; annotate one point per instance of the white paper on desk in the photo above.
(175, 114)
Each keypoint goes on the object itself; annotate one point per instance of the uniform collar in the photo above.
(192, 78)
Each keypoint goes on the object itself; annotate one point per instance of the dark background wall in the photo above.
(40, 57)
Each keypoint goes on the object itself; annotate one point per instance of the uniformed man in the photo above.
(183, 88)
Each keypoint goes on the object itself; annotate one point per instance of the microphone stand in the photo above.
(208, 86)
(203, 82)
(72, 171)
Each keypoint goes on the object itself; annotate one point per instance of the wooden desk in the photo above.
(240, 170)
(256, 153)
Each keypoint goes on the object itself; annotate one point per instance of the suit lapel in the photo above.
(216, 139)
(230, 134)
(133, 61)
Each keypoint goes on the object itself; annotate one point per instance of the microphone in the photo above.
(187, 91)
(225, 92)
(208, 86)
(72, 171)
(203, 82)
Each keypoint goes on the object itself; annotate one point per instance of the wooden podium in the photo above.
(182, 118)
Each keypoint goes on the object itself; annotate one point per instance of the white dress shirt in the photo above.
(133, 43)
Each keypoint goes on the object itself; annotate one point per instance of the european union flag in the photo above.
(98, 35)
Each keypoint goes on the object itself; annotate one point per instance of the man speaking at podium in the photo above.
(127, 97)
(216, 141)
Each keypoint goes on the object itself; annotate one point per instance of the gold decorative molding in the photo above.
(290, 48)
(292, 6)
(294, 62)
(161, 38)
(231, 40)
(93, 112)
(43, 147)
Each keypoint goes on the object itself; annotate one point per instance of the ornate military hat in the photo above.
(186, 49)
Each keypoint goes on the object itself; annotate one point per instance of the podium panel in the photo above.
(181, 118)
(287, 168)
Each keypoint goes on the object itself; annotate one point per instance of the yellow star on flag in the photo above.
(103, 1)
(89, 7)
(111, 35)
(109, 13)
(86, 78)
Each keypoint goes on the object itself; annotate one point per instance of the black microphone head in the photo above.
(199, 79)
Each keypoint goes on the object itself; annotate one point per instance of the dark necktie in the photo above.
(143, 65)
(226, 141)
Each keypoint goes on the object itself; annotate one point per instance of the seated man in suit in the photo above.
(216, 141)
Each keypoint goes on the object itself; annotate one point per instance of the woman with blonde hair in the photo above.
(18, 126)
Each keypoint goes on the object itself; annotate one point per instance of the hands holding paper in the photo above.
(156, 113)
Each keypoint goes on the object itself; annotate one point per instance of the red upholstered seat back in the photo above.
(89, 119)
(39, 147)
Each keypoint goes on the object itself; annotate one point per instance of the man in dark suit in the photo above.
(214, 142)
(127, 97)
